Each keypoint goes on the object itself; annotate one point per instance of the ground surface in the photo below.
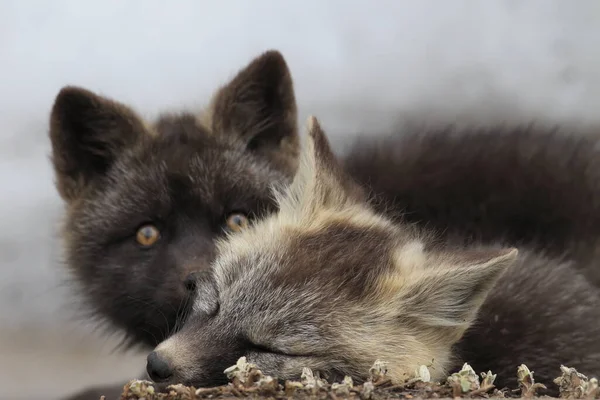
(247, 381)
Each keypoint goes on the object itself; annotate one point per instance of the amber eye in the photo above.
(147, 235)
(236, 222)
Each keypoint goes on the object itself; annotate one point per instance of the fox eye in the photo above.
(261, 348)
(147, 235)
(236, 221)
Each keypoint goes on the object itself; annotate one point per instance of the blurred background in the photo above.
(360, 66)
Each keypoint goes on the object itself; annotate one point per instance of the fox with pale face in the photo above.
(330, 284)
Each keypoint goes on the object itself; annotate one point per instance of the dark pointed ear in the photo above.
(449, 296)
(259, 106)
(320, 182)
(87, 133)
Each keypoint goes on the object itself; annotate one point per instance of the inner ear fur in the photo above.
(441, 295)
(87, 133)
(258, 106)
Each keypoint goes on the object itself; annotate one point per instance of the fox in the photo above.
(329, 283)
(146, 200)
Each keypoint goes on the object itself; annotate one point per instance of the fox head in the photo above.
(146, 200)
(328, 284)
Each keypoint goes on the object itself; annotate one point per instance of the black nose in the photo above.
(190, 282)
(158, 369)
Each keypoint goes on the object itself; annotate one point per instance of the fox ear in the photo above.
(87, 133)
(450, 296)
(320, 182)
(259, 106)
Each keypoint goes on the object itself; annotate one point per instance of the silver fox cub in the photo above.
(330, 284)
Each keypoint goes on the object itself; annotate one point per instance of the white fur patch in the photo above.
(411, 255)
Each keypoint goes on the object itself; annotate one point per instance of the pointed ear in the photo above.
(450, 296)
(87, 133)
(320, 182)
(259, 107)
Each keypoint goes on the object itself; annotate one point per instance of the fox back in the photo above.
(330, 284)
(520, 185)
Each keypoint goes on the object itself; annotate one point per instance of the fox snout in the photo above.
(158, 368)
(167, 364)
(192, 356)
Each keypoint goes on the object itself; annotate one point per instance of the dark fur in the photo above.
(524, 185)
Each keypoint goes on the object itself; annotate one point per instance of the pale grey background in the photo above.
(355, 63)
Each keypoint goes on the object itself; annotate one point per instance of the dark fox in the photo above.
(330, 284)
(145, 201)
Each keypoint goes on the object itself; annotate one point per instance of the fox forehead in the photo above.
(205, 162)
(346, 251)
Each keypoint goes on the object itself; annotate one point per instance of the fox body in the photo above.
(330, 284)
(146, 201)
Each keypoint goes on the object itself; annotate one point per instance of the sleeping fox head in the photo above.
(327, 283)
(146, 200)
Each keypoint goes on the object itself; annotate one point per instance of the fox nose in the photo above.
(158, 369)
(190, 282)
